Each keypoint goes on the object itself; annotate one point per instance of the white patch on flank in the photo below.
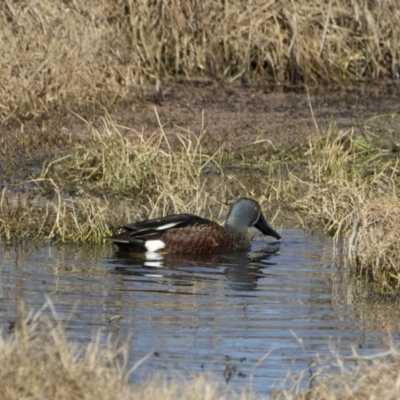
(167, 226)
(154, 245)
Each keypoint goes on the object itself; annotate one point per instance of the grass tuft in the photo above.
(64, 219)
(372, 244)
(354, 377)
(352, 193)
(123, 163)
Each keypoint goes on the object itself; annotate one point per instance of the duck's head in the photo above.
(245, 213)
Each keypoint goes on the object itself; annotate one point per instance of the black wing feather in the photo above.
(152, 226)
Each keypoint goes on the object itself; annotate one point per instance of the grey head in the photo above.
(245, 213)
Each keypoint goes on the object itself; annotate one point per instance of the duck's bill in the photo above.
(265, 229)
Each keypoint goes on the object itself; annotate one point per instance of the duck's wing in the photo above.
(154, 228)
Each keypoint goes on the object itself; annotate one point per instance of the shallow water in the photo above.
(220, 314)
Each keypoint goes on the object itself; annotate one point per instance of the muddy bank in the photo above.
(275, 117)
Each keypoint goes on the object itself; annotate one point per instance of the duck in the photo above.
(191, 234)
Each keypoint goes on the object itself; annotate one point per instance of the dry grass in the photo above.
(117, 161)
(373, 243)
(355, 377)
(85, 218)
(370, 235)
(352, 193)
(57, 56)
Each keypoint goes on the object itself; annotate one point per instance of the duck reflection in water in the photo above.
(241, 270)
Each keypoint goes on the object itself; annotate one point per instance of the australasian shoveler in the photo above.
(190, 234)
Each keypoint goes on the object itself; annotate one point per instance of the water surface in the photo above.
(220, 314)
